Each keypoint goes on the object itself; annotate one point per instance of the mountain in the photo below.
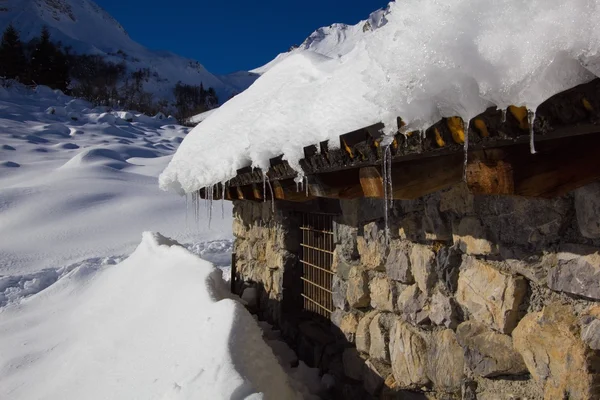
(88, 29)
(332, 41)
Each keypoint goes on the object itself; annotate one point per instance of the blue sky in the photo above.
(232, 35)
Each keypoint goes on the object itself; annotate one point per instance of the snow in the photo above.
(81, 320)
(159, 325)
(74, 190)
(424, 60)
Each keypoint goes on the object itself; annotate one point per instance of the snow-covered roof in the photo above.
(428, 61)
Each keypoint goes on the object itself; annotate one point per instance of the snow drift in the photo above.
(159, 325)
(426, 60)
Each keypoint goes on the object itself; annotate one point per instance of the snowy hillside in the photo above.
(335, 40)
(81, 316)
(89, 29)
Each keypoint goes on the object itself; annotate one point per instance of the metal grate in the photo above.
(316, 259)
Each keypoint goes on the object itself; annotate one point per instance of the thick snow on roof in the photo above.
(430, 60)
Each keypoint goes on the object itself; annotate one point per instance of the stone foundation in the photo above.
(474, 297)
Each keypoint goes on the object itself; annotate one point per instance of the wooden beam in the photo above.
(558, 167)
(336, 185)
(288, 190)
(257, 192)
(371, 182)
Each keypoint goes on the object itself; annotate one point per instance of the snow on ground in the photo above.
(427, 60)
(77, 189)
(81, 320)
(159, 325)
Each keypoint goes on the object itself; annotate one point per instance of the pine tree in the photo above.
(49, 64)
(13, 63)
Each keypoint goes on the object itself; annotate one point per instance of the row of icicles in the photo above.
(302, 180)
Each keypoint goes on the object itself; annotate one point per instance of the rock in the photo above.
(577, 272)
(448, 261)
(358, 288)
(435, 225)
(348, 326)
(397, 265)
(340, 290)
(587, 208)
(353, 364)
(383, 294)
(515, 220)
(471, 238)
(442, 311)
(422, 260)
(379, 332)
(250, 297)
(411, 228)
(340, 264)
(489, 295)
(458, 200)
(555, 355)
(590, 332)
(408, 354)
(373, 376)
(372, 247)
(411, 304)
(488, 353)
(363, 337)
(446, 361)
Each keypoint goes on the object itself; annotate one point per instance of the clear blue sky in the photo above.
(232, 35)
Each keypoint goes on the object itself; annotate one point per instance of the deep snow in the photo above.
(425, 60)
(159, 325)
(79, 319)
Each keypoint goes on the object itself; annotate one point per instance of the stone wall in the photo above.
(474, 297)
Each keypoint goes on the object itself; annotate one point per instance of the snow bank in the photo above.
(429, 60)
(158, 325)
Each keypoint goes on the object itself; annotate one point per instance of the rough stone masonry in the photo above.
(472, 297)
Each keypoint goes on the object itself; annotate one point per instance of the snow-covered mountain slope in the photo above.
(86, 27)
(333, 41)
(75, 189)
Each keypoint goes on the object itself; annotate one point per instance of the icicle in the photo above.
(466, 150)
(531, 120)
(504, 115)
(272, 197)
(223, 186)
(264, 187)
(386, 194)
(306, 183)
(297, 186)
(187, 226)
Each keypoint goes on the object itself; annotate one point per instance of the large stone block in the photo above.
(488, 353)
(412, 305)
(458, 200)
(577, 272)
(590, 327)
(448, 261)
(339, 288)
(445, 366)
(489, 295)
(422, 260)
(587, 208)
(340, 264)
(383, 294)
(442, 310)
(372, 246)
(408, 354)
(435, 224)
(379, 332)
(471, 238)
(555, 355)
(363, 336)
(358, 288)
(397, 265)
(374, 374)
(523, 221)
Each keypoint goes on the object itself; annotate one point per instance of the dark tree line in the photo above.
(39, 62)
(92, 77)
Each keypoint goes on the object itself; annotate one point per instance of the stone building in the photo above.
(405, 272)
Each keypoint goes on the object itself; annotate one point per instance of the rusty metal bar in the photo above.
(316, 230)
(317, 304)
(316, 248)
(316, 285)
(319, 268)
